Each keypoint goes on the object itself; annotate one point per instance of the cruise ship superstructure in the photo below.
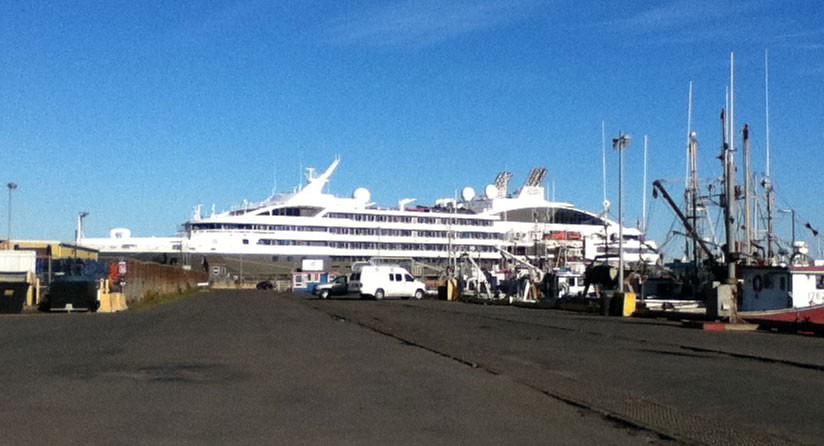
(310, 224)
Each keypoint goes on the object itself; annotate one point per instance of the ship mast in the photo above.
(692, 194)
(689, 138)
(747, 200)
(690, 185)
(729, 190)
(767, 183)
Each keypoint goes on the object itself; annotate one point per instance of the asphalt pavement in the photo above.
(257, 367)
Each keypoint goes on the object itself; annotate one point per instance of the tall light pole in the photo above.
(620, 143)
(11, 186)
(80, 217)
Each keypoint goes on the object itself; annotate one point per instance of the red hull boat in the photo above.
(806, 318)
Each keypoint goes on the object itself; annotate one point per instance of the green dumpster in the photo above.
(13, 296)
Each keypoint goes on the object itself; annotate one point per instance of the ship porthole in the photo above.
(757, 283)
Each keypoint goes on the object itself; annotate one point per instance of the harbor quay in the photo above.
(263, 367)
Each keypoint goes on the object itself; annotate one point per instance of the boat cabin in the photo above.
(778, 287)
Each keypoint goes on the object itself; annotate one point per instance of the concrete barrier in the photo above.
(112, 302)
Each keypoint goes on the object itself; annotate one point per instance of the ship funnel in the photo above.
(502, 183)
(536, 177)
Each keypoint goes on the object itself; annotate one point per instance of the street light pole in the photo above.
(11, 186)
(620, 143)
(79, 236)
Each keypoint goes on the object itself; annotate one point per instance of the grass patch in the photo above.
(151, 300)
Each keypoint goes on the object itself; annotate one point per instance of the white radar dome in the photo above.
(468, 193)
(491, 191)
(362, 195)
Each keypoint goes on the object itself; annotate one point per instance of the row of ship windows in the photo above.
(352, 231)
(247, 227)
(369, 245)
(627, 250)
(407, 219)
(410, 233)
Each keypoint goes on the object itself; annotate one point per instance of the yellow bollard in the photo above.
(629, 304)
(451, 289)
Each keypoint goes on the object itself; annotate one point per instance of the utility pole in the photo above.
(620, 143)
(12, 187)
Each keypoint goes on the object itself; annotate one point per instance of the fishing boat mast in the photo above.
(690, 178)
(727, 126)
(748, 226)
(692, 197)
(766, 183)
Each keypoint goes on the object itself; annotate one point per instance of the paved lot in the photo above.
(254, 367)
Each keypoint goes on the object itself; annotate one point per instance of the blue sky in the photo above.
(137, 111)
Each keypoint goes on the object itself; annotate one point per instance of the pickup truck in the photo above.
(337, 287)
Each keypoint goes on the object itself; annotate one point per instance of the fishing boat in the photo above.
(784, 296)
(747, 279)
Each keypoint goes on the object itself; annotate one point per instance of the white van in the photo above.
(381, 281)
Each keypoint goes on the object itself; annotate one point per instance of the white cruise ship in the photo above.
(312, 224)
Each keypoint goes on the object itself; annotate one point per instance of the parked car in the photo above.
(337, 287)
(379, 281)
(264, 285)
